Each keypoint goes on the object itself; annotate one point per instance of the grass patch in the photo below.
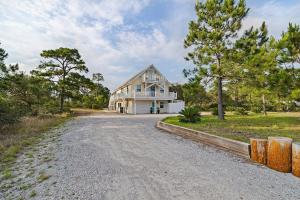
(7, 173)
(86, 111)
(25, 186)
(13, 138)
(242, 128)
(32, 194)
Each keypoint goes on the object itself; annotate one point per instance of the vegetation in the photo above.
(190, 114)
(242, 128)
(14, 137)
(56, 82)
(245, 72)
(62, 67)
(211, 36)
(32, 194)
(33, 103)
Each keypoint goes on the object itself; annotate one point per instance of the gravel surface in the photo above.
(126, 157)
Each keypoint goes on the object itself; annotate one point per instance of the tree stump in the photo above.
(280, 154)
(296, 159)
(259, 150)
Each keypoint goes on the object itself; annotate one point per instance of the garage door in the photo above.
(143, 107)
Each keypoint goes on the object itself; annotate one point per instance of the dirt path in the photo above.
(126, 157)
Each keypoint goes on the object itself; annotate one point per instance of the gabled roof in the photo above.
(138, 75)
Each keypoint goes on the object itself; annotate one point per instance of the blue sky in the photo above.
(118, 37)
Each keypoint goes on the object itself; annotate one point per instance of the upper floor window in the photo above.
(162, 90)
(138, 88)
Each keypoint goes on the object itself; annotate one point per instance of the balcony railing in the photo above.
(148, 94)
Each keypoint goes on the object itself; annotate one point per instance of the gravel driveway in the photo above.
(126, 157)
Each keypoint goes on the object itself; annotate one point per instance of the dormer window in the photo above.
(138, 88)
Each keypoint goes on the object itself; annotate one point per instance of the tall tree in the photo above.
(211, 36)
(98, 77)
(256, 54)
(194, 94)
(3, 56)
(178, 89)
(62, 66)
(289, 46)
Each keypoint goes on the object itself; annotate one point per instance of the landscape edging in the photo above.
(238, 147)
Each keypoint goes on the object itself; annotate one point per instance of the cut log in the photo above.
(259, 150)
(296, 159)
(280, 154)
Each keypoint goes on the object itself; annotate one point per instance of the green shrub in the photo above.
(214, 111)
(256, 109)
(11, 111)
(241, 111)
(190, 114)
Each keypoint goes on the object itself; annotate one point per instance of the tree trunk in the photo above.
(250, 100)
(62, 100)
(264, 104)
(220, 99)
(62, 93)
(220, 91)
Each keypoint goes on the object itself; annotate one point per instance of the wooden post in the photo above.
(259, 150)
(296, 159)
(280, 153)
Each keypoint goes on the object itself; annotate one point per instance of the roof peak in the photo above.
(138, 74)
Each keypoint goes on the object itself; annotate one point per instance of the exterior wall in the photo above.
(119, 104)
(130, 108)
(143, 100)
(165, 108)
(175, 107)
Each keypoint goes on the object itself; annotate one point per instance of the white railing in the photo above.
(148, 94)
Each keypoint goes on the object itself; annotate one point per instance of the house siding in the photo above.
(134, 102)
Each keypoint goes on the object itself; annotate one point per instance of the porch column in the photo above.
(134, 106)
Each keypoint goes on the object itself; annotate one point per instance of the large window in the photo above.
(138, 88)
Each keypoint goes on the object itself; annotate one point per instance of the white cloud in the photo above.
(107, 42)
(32, 26)
(276, 14)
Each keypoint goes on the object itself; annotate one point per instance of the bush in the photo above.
(256, 109)
(190, 114)
(214, 111)
(241, 111)
(11, 112)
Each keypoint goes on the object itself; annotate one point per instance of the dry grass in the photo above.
(13, 138)
(86, 111)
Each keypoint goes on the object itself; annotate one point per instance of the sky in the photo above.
(118, 38)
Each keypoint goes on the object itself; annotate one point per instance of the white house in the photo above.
(146, 92)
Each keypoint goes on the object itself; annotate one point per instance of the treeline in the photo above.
(241, 72)
(55, 86)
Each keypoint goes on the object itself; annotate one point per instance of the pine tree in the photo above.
(211, 38)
